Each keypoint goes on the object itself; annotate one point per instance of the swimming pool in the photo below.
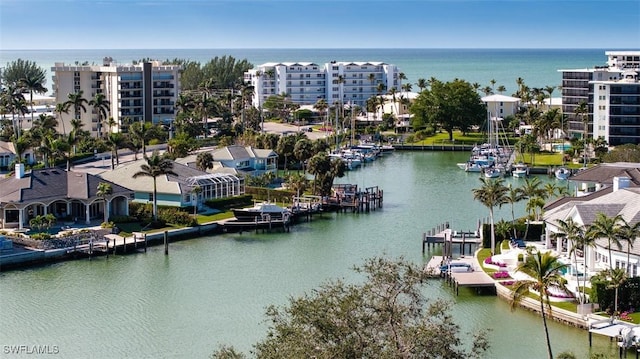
(562, 147)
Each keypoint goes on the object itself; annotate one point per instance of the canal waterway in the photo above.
(213, 290)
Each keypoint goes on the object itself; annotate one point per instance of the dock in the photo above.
(444, 235)
(472, 276)
(622, 331)
(347, 197)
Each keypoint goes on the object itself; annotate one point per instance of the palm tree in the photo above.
(514, 195)
(574, 233)
(492, 193)
(156, 166)
(195, 191)
(104, 189)
(61, 108)
(582, 111)
(321, 105)
(629, 232)
(422, 84)
(101, 108)
(78, 102)
(544, 269)
(204, 161)
(34, 82)
(532, 191)
(604, 226)
(115, 140)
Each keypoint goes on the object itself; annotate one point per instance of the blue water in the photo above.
(538, 67)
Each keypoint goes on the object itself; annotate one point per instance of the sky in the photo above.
(228, 24)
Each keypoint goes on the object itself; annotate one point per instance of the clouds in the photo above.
(39, 24)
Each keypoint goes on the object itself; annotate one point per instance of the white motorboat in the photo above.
(261, 211)
(562, 173)
(492, 173)
(520, 170)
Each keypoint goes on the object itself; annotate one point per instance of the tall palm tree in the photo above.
(101, 106)
(574, 233)
(513, 196)
(156, 166)
(61, 108)
(492, 193)
(115, 140)
(582, 112)
(422, 84)
(604, 226)
(531, 191)
(78, 102)
(629, 233)
(544, 270)
(104, 189)
(34, 82)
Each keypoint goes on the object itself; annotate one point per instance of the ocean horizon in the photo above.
(537, 66)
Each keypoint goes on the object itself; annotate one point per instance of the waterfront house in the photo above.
(621, 198)
(598, 177)
(178, 190)
(70, 196)
(246, 160)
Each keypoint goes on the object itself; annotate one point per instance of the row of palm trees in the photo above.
(493, 193)
(543, 267)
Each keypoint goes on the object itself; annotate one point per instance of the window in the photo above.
(151, 197)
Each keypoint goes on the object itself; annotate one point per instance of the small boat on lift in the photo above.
(562, 173)
(261, 211)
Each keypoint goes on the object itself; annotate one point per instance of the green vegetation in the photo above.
(366, 320)
(207, 218)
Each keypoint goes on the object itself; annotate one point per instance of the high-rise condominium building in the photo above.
(146, 91)
(580, 86)
(336, 82)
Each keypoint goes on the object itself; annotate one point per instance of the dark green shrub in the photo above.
(272, 195)
(176, 216)
(41, 236)
(224, 204)
(123, 219)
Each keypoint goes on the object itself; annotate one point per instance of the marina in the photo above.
(241, 274)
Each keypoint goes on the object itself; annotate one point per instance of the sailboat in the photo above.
(490, 154)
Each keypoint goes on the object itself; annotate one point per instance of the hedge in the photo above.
(224, 204)
(274, 195)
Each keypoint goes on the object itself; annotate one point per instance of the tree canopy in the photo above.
(448, 105)
(385, 316)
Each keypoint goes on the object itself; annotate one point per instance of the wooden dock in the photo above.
(473, 277)
(347, 197)
(444, 235)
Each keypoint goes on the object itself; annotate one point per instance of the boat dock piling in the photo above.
(444, 235)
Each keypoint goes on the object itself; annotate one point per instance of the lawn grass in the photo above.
(635, 317)
(483, 254)
(127, 229)
(206, 218)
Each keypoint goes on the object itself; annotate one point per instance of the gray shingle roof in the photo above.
(605, 172)
(51, 184)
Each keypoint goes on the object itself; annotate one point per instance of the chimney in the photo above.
(620, 183)
(19, 170)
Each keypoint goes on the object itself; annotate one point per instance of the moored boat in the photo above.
(263, 211)
(562, 173)
(520, 170)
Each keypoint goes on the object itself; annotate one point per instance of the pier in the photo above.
(461, 272)
(347, 197)
(443, 235)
